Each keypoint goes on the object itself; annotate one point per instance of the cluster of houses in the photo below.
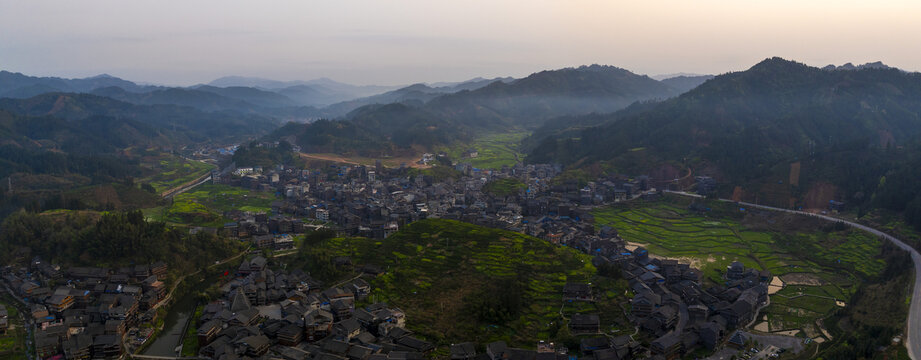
(670, 304)
(375, 202)
(84, 312)
(288, 315)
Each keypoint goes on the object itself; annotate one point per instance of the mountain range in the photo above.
(840, 130)
(420, 116)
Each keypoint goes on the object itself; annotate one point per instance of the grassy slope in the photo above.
(435, 266)
(672, 231)
(494, 150)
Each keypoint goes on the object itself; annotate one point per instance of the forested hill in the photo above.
(91, 135)
(193, 124)
(84, 151)
(776, 108)
(746, 126)
(499, 106)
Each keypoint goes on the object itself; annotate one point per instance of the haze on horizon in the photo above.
(407, 41)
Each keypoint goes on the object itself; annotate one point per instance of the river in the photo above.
(180, 313)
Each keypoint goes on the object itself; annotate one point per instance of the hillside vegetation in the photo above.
(462, 282)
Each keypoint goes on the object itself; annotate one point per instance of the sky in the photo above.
(391, 42)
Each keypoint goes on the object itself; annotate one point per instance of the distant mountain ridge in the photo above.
(416, 94)
(317, 92)
(438, 119)
(255, 93)
(685, 83)
(18, 85)
(295, 100)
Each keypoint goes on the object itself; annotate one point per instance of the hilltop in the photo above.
(462, 282)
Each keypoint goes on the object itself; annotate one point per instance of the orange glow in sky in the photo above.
(401, 42)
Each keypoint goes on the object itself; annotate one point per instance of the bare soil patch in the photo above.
(819, 194)
(802, 279)
(694, 262)
(775, 286)
(794, 173)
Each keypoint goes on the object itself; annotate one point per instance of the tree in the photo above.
(148, 188)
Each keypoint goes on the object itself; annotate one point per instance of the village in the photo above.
(81, 313)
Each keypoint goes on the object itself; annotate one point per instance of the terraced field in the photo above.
(820, 266)
(205, 204)
(437, 270)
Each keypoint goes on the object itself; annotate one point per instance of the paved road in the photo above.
(913, 330)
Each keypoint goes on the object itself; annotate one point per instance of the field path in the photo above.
(411, 161)
(913, 328)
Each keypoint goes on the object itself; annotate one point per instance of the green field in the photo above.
(205, 204)
(835, 261)
(172, 171)
(443, 272)
(494, 150)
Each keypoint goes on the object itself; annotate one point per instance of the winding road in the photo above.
(913, 328)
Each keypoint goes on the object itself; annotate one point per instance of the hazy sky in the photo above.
(400, 42)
